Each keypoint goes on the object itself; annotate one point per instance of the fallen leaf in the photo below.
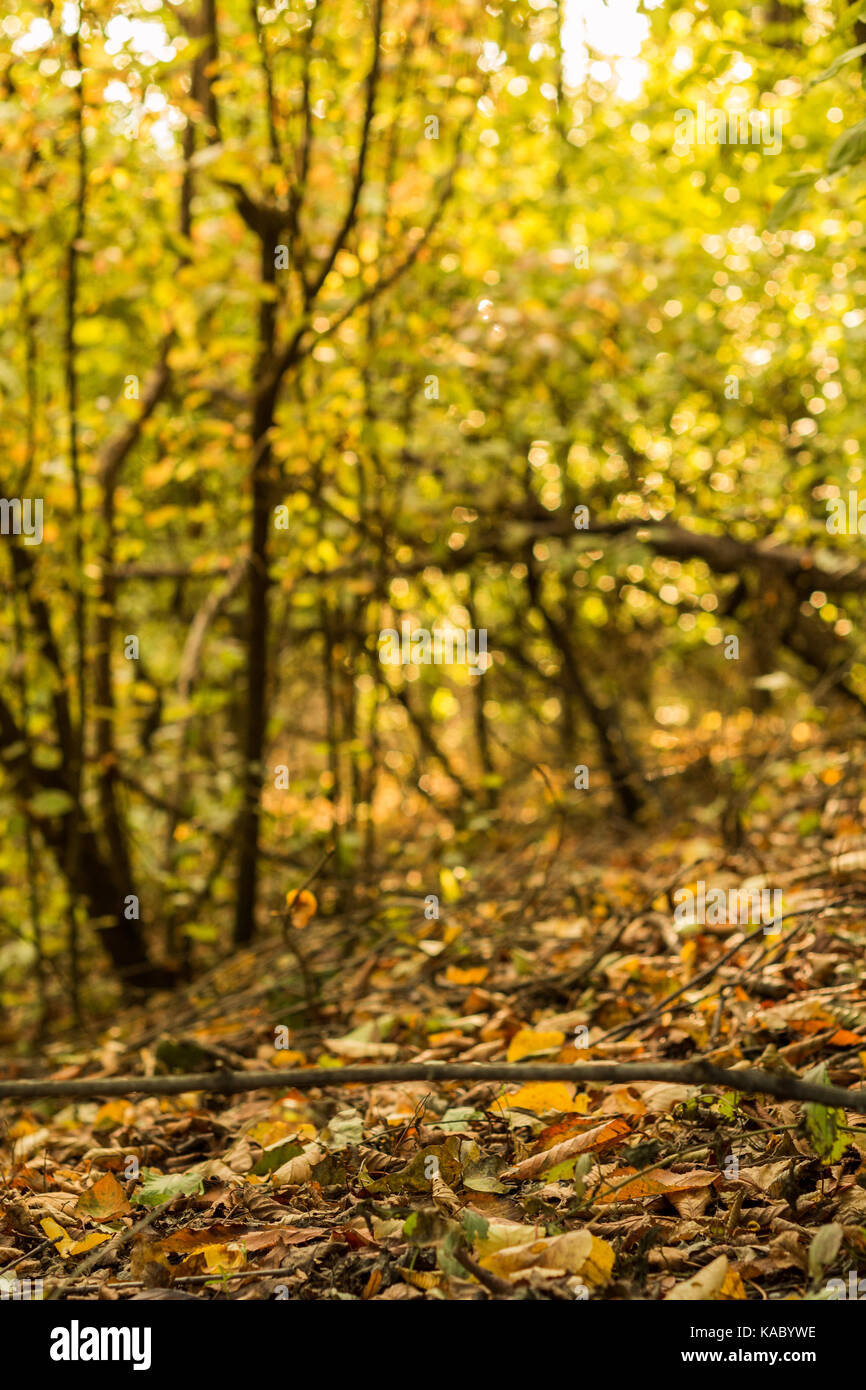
(576, 1252)
(600, 1137)
(715, 1282)
(104, 1201)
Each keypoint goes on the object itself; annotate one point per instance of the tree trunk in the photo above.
(257, 613)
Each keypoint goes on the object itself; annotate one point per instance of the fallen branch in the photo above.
(102, 1251)
(698, 1073)
(500, 1288)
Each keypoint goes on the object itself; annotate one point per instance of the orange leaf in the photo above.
(302, 907)
(104, 1201)
(473, 975)
(601, 1137)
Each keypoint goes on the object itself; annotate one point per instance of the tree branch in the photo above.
(698, 1073)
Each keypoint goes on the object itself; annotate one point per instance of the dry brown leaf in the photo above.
(576, 1252)
(600, 1137)
(716, 1281)
(768, 1177)
(298, 1169)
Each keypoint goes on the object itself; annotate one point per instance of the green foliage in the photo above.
(826, 1128)
(551, 304)
(157, 1188)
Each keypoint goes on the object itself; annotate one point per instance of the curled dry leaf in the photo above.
(576, 1252)
(444, 1198)
(662, 1096)
(717, 1281)
(768, 1177)
(503, 1235)
(358, 1049)
(421, 1279)
(688, 1193)
(300, 1168)
(600, 1137)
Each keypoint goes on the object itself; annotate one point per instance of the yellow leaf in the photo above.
(161, 516)
(61, 1241)
(576, 1252)
(347, 265)
(539, 1097)
(471, 976)
(449, 885)
(503, 1235)
(113, 1114)
(223, 1257)
(80, 1247)
(421, 1278)
(528, 1043)
(715, 1281)
(733, 1287)
(22, 1128)
(302, 907)
(158, 474)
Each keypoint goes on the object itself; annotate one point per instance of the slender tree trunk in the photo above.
(627, 784)
(79, 738)
(92, 880)
(257, 612)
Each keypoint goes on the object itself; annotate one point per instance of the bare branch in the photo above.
(698, 1073)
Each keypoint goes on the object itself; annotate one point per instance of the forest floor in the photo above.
(565, 946)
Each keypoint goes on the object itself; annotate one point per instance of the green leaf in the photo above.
(799, 176)
(275, 1155)
(847, 57)
(456, 1118)
(427, 1226)
(50, 803)
(848, 149)
(161, 1187)
(346, 1127)
(790, 203)
(475, 1225)
(826, 1128)
(201, 931)
(445, 1258)
(482, 1174)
